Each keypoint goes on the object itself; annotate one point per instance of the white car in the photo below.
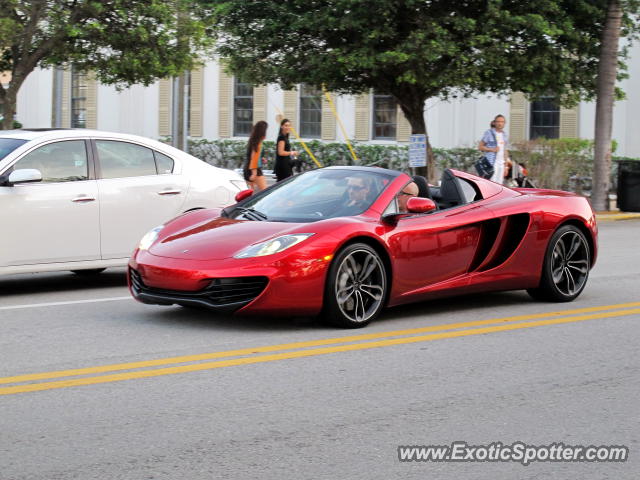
(81, 200)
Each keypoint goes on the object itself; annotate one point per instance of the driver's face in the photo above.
(357, 189)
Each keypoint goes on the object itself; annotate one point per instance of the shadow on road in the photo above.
(204, 319)
(60, 282)
(174, 317)
(459, 304)
(192, 318)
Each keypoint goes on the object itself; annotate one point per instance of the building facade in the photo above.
(219, 106)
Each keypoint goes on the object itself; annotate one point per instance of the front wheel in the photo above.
(566, 266)
(356, 287)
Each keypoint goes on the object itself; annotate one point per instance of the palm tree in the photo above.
(605, 91)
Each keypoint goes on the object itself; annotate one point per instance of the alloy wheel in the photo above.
(570, 263)
(360, 285)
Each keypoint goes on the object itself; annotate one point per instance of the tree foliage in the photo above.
(123, 41)
(433, 48)
(417, 49)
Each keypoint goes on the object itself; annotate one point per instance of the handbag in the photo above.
(484, 167)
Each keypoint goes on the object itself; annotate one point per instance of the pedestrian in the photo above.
(284, 155)
(253, 163)
(494, 144)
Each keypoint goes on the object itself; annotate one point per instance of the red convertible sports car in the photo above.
(344, 242)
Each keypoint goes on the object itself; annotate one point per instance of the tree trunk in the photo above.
(414, 112)
(8, 104)
(9, 97)
(605, 91)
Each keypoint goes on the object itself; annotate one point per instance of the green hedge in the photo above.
(231, 154)
(565, 164)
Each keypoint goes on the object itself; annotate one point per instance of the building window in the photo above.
(78, 99)
(384, 117)
(545, 118)
(310, 111)
(242, 108)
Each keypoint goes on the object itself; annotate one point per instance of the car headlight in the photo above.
(149, 237)
(239, 184)
(275, 245)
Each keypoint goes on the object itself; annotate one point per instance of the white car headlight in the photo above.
(275, 245)
(149, 237)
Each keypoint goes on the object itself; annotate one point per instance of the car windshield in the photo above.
(317, 195)
(8, 145)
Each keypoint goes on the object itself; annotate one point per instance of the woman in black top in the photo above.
(283, 167)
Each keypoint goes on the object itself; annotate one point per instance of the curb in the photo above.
(616, 216)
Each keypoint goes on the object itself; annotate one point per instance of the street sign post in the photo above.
(418, 150)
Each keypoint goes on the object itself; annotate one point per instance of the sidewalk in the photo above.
(616, 215)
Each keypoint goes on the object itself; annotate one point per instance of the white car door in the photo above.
(137, 191)
(55, 220)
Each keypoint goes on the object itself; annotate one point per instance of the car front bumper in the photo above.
(287, 285)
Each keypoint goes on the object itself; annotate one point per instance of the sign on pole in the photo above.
(418, 150)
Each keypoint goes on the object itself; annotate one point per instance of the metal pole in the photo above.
(174, 111)
(186, 109)
(180, 138)
(57, 97)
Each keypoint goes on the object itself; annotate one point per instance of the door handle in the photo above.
(83, 199)
(170, 192)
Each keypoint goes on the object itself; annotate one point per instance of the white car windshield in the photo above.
(8, 145)
(316, 195)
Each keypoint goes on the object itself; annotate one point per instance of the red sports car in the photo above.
(344, 242)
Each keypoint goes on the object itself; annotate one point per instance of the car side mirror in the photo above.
(24, 175)
(243, 194)
(421, 205)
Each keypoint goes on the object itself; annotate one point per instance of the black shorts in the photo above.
(247, 173)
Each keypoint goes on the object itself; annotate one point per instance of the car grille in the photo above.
(220, 293)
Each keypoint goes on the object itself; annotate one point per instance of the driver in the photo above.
(358, 189)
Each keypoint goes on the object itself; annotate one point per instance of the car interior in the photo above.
(58, 162)
(452, 192)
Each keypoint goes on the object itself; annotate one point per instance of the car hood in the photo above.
(218, 239)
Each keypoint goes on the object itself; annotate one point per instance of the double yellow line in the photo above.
(192, 363)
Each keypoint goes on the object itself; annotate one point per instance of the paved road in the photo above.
(168, 393)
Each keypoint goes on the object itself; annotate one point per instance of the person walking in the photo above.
(253, 163)
(494, 144)
(284, 165)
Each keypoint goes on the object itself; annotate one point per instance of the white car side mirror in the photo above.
(25, 175)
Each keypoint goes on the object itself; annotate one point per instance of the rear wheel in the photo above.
(566, 266)
(356, 287)
(89, 272)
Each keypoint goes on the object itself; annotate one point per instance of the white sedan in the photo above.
(81, 200)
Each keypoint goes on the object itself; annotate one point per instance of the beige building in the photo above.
(219, 106)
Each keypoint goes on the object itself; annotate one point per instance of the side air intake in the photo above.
(498, 240)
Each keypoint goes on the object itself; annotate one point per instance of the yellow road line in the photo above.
(303, 353)
(298, 345)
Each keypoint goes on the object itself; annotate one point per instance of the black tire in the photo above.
(89, 272)
(356, 287)
(566, 266)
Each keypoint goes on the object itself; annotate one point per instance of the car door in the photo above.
(134, 197)
(429, 249)
(55, 220)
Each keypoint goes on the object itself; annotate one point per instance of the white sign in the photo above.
(418, 150)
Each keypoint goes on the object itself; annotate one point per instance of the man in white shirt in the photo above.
(494, 143)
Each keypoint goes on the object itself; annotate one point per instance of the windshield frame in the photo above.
(314, 209)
